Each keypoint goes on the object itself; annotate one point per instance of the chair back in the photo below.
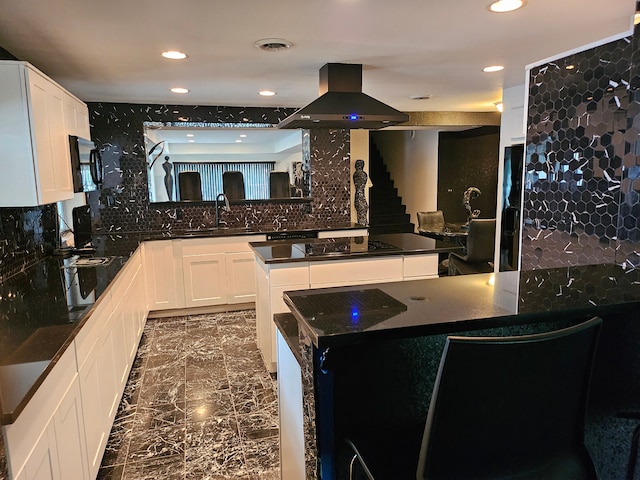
(189, 185)
(279, 185)
(233, 185)
(511, 407)
(481, 240)
(431, 221)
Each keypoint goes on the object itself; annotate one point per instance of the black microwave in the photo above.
(86, 164)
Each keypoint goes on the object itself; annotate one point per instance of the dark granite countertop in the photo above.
(286, 251)
(190, 231)
(343, 315)
(41, 310)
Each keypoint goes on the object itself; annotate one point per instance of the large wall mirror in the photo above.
(200, 163)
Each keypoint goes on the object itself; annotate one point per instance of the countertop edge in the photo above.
(7, 418)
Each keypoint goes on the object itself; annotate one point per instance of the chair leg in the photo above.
(353, 460)
(358, 457)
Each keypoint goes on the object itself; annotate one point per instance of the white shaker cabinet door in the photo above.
(241, 277)
(163, 275)
(52, 158)
(204, 279)
(69, 433)
(35, 158)
(42, 463)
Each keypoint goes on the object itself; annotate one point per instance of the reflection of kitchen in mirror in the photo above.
(188, 164)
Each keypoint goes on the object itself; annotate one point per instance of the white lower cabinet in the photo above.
(290, 409)
(94, 404)
(240, 277)
(106, 353)
(63, 430)
(204, 278)
(70, 435)
(43, 463)
(200, 272)
(163, 271)
(46, 441)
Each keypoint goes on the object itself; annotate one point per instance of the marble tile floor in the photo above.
(199, 404)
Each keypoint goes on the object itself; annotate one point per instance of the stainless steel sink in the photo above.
(90, 261)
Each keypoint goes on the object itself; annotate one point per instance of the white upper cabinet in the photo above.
(34, 111)
(76, 117)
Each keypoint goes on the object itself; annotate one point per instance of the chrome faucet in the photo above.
(226, 207)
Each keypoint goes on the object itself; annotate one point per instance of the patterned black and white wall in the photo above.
(581, 161)
(122, 204)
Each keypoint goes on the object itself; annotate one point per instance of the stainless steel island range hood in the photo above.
(342, 104)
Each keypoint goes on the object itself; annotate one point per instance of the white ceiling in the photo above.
(110, 50)
(223, 140)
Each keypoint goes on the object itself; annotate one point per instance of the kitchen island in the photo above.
(361, 357)
(329, 262)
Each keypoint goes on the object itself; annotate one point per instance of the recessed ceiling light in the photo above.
(180, 90)
(174, 55)
(238, 141)
(493, 68)
(190, 135)
(244, 135)
(192, 141)
(502, 6)
(266, 93)
(273, 44)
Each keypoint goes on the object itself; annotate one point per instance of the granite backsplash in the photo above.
(26, 236)
(122, 204)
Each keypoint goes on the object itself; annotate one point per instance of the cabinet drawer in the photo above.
(21, 436)
(201, 246)
(355, 271)
(93, 327)
(420, 265)
(287, 274)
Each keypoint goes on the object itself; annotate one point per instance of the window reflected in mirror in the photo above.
(200, 163)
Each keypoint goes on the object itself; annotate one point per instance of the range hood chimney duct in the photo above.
(342, 104)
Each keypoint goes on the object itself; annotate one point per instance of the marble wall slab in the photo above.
(581, 186)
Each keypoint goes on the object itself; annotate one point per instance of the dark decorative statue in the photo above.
(469, 194)
(168, 177)
(361, 181)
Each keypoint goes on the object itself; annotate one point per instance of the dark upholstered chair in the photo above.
(233, 185)
(430, 221)
(279, 185)
(190, 186)
(478, 257)
(502, 408)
